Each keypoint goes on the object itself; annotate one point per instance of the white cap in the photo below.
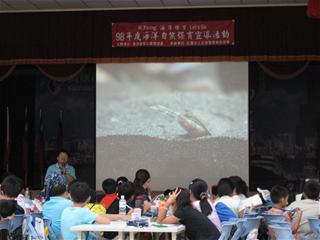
(265, 194)
(122, 197)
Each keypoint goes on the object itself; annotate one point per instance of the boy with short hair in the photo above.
(53, 208)
(279, 196)
(309, 205)
(78, 214)
(10, 189)
(109, 187)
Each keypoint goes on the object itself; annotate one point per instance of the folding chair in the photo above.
(250, 215)
(282, 233)
(5, 224)
(314, 223)
(31, 230)
(226, 230)
(16, 222)
(4, 229)
(240, 229)
(48, 224)
(280, 224)
(37, 214)
(250, 224)
(272, 217)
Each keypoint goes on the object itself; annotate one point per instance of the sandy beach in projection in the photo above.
(167, 159)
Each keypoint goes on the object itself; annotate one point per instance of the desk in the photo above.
(171, 228)
(121, 228)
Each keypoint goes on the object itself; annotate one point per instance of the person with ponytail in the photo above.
(199, 197)
(198, 226)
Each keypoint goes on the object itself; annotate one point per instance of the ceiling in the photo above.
(62, 5)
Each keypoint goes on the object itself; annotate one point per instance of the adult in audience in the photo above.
(198, 226)
(309, 206)
(109, 187)
(199, 198)
(62, 166)
(53, 208)
(10, 189)
(226, 206)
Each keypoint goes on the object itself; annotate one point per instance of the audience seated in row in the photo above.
(201, 214)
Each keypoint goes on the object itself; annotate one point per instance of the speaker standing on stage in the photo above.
(62, 167)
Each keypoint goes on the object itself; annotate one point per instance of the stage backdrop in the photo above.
(178, 120)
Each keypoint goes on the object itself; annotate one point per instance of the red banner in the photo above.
(173, 34)
(313, 9)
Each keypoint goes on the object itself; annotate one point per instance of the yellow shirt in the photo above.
(96, 208)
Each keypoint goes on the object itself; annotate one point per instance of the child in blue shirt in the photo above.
(53, 208)
(79, 214)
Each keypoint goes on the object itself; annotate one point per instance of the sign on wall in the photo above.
(173, 34)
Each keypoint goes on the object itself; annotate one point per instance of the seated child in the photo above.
(226, 206)
(279, 197)
(167, 193)
(10, 189)
(78, 214)
(109, 187)
(121, 180)
(198, 226)
(199, 198)
(93, 205)
(309, 206)
(127, 189)
(53, 208)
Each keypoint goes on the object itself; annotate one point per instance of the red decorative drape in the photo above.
(313, 9)
(55, 72)
(283, 70)
(5, 71)
(61, 72)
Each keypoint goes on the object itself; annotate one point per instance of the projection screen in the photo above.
(178, 120)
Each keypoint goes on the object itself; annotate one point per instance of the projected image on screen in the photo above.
(178, 120)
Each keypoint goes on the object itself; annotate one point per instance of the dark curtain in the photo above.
(36, 103)
(284, 123)
(261, 34)
(17, 94)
